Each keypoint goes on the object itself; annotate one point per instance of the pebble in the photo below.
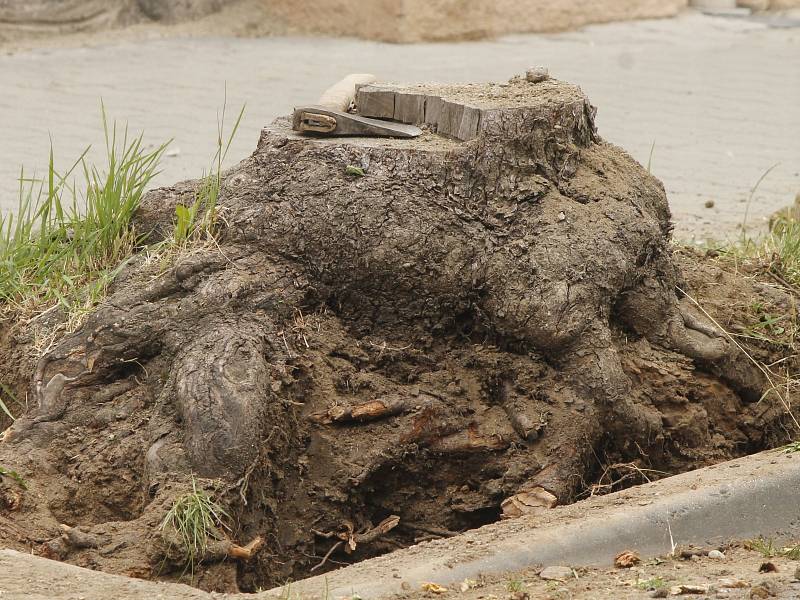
(556, 573)
(765, 589)
(537, 74)
(716, 554)
(709, 204)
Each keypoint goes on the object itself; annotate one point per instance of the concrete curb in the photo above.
(746, 498)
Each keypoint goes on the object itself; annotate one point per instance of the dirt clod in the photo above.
(765, 589)
(537, 74)
(767, 567)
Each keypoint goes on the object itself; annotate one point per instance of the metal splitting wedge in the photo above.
(330, 117)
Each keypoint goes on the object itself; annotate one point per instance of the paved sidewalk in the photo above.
(719, 98)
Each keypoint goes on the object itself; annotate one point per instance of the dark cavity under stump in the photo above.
(471, 328)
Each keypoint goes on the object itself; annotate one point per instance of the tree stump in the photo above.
(472, 327)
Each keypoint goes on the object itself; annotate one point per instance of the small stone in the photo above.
(730, 582)
(709, 204)
(716, 554)
(661, 593)
(562, 216)
(556, 573)
(765, 589)
(537, 74)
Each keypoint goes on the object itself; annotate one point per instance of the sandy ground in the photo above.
(736, 575)
(715, 98)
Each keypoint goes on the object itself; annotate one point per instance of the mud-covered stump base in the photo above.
(469, 331)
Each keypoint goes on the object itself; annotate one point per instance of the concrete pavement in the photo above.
(718, 99)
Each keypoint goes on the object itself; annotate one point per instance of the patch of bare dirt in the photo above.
(468, 331)
(740, 572)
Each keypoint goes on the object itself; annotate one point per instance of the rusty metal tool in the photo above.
(330, 117)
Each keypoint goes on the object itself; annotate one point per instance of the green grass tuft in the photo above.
(792, 447)
(4, 472)
(197, 221)
(515, 585)
(765, 547)
(354, 171)
(792, 552)
(652, 584)
(67, 241)
(9, 395)
(195, 518)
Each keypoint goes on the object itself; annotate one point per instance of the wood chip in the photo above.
(682, 590)
(528, 502)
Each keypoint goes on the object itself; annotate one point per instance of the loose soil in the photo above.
(357, 364)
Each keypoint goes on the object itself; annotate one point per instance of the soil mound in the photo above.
(47, 17)
(468, 330)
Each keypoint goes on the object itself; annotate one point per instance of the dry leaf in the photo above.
(433, 587)
(680, 590)
(528, 502)
(627, 559)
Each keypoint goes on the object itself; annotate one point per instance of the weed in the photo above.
(765, 547)
(515, 585)
(195, 518)
(65, 244)
(791, 447)
(197, 221)
(354, 171)
(751, 196)
(792, 552)
(286, 594)
(652, 584)
(4, 472)
(9, 394)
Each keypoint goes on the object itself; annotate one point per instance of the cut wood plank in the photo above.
(375, 102)
(409, 108)
(433, 111)
(450, 119)
(470, 123)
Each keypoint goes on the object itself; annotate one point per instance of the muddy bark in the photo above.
(467, 323)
